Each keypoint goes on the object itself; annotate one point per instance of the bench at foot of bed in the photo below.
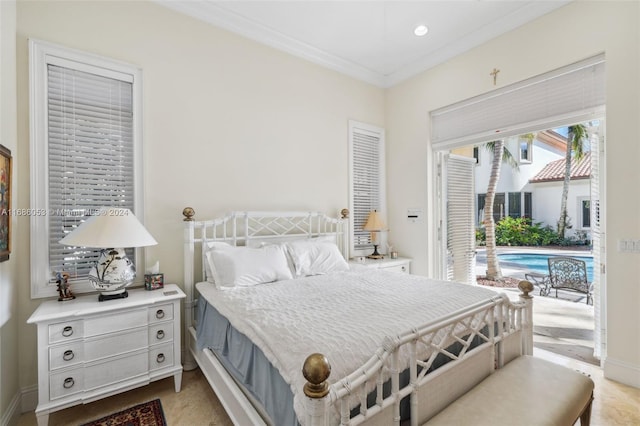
(527, 390)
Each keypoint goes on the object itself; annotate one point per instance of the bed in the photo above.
(287, 332)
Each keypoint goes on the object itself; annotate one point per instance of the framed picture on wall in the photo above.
(5, 203)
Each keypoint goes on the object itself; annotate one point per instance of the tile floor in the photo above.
(196, 405)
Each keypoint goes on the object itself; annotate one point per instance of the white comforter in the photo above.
(344, 316)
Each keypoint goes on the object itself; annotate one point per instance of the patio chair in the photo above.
(569, 274)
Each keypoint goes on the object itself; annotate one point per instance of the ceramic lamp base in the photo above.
(375, 254)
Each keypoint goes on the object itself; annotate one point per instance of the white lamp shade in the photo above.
(374, 223)
(111, 227)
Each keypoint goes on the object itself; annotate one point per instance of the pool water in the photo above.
(537, 262)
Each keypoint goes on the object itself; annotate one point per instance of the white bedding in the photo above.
(344, 315)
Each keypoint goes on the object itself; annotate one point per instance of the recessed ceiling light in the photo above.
(421, 30)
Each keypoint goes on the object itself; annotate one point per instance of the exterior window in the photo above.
(367, 182)
(480, 216)
(585, 213)
(526, 151)
(498, 207)
(476, 154)
(528, 205)
(85, 154)
(515, 204)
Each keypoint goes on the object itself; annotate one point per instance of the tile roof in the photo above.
(554, 171)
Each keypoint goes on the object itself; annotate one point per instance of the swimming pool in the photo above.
(537, 262)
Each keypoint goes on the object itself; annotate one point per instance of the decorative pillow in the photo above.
(313, 257)
(245, 266)
(209, 245)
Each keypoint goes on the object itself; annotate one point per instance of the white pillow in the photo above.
(208, 272)
(245, 266)
(312, 257)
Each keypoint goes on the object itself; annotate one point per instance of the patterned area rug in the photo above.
(145, 414)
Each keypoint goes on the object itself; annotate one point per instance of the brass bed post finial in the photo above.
(188, 214)
(344, 213)
(316, 371)
(525, 287)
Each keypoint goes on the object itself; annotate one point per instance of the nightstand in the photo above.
(400, 264)
(88, 350)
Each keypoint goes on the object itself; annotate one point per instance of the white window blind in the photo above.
(90, 132)
(367, 180)
(86, 153)
(571, 94)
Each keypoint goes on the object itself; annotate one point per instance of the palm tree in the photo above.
(577, 134)
(500, 155)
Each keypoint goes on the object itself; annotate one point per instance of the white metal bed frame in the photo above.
(512, 337)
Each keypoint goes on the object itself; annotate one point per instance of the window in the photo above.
(526, 151)
(85, 154)
(367, 182)
(584, 214)
(528, 205)
(476, 154)
(515, 204)
(498, 207)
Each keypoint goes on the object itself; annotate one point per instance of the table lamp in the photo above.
(375, 225)
(111, 229)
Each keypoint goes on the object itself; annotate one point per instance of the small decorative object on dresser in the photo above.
(111, 229)
(64, 289)
(153, 281)
(91, 350)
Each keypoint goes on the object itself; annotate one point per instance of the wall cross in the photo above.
(494, 73)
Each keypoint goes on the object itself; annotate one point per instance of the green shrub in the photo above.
(522, 232)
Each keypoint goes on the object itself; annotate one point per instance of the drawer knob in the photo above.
(160, 335)
(67, 331)
(159, 313)
(68, 383)
(160, 358)
(404, 269)
(68, 355)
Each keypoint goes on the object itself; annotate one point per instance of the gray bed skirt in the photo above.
(246, 363)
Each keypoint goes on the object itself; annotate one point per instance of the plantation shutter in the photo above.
(367, 180)
(597, 242)
(460, 214)
(570, 94)
(90, 157)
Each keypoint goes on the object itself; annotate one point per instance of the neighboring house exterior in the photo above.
(534, 190)
(547, 188)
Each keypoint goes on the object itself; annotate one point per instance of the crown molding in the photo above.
(223, 18)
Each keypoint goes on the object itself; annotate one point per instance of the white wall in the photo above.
(10, 325)
(229, 124)
(548, 43)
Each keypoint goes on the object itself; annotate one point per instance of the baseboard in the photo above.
(29, 398)
(623, 372)
(12, 415)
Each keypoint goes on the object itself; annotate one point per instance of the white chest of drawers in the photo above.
(400, 264)
(89, 350)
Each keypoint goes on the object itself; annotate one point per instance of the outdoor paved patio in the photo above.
(563, 325)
